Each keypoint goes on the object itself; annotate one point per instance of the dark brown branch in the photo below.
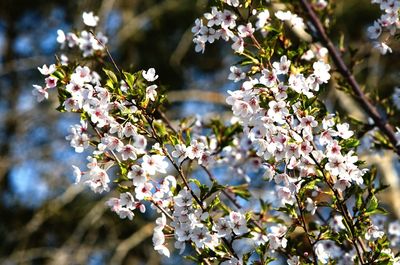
(361, 98)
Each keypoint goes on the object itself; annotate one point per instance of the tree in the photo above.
(281, 138)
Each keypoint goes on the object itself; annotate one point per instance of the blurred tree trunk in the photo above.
(10, 94)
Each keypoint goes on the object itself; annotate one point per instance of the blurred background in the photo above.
(44, 219)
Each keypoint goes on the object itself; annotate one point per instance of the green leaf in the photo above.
(195, 181)
(216, 202)
(129, 78)
(111, 75)
(378, 210)
(351, 143)
(123, 174)
(359, 201)
(58, 74)
(241, 191)
(191, 258)
(123, 188)
(372, 204)
(216, 187)
(110, 83)
(247, 3)
(62, 96)
(161, 130)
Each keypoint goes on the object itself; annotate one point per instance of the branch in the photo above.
(24, 64)
(26, 255)
(131, 242)
(52, 208)
(303, 224)
(134, 24)
(378, 119)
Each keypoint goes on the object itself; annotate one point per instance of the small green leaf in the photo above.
(378, 210)
(111, 75)
(110, 83)
(372, 204)
(195, 181)
(123, 188)
(58, 74)
(129, 79)
(241, 191)
(359, 201)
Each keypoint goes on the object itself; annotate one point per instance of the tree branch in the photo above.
(361, 98)
(131, 242)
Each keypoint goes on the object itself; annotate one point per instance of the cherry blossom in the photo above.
(98, 180)
(153, 164)
(283, 66)
(90, 19)
(325, 250)
(137, 175)
(40, 93)
(262, 19)
(179, 152)
(238, 223)
(150, 75)
(236, 74)
(47, 70)
(195, 150)
(151, 92)
(374, 31)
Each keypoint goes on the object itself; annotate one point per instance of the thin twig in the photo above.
(232, 199)
(304, 226)
(213, 179)
(162, 210)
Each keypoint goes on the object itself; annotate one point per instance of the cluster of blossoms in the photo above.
(189, 224)
(388, 22)
(40, 92)
(391, 228)
(223, 25)
(278, 128)
(125, 205)
(88, 43)
(289, 138)
(294, 20)
(316, 52)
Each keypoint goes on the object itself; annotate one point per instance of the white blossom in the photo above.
(150, 75)
(90, 19)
